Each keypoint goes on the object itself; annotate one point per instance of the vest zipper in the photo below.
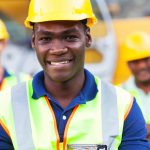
(67, 127)
(55, 123)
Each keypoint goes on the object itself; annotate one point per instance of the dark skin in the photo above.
(141, 71)
(148, 129)
(60, 48)
(3, 44)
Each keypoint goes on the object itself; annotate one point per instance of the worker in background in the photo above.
(66, 106)
(137, 49)
(6, 78)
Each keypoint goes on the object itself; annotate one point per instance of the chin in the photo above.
(60, 78)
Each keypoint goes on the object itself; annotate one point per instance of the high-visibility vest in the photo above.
(31, 123)
(13, 80)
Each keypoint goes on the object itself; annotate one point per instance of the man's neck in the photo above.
(66, 91)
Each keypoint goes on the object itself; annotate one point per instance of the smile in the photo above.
(60, 62)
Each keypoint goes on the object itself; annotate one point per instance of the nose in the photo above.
(58, 51)
(57, 48)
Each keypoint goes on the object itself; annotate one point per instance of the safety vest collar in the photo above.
(6, 73)
(88, 92)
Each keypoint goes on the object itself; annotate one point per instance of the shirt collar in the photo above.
(87, 93)
(6, 74)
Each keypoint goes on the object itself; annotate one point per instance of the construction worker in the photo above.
(65, 106)
(137, 49)
(7, 79)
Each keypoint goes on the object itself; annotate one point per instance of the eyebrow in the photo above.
(68, 31)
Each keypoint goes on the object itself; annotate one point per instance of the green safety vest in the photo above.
(31, 124)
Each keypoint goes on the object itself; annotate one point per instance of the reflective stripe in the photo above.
(21, 117)
(110, 120)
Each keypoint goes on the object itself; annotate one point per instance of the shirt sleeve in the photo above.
(134, 131)
(5, 141)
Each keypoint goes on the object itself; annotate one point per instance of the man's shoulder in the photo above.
(5, 95)
(110, 85)
(121, 93)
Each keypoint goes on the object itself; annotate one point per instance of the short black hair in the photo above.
(84, 22)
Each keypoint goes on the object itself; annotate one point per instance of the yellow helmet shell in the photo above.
(3, 31)
(136, 46)
(52, 10)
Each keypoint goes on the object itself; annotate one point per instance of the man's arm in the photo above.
(148, 129)
(134, 131)
(5, 141)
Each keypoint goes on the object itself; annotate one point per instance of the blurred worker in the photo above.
(137, 49)
(6, 78)
(65, 104)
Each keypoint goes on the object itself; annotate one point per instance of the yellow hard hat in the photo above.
(136, 46)
(3, 31)
(52, 10)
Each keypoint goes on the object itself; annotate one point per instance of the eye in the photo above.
(44, 39)
(71, 38)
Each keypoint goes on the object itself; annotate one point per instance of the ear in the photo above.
(3, 44)
(33, 40)
(88, 37)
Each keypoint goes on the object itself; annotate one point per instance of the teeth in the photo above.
(61, 62)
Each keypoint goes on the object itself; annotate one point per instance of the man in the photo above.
(7, 79)
(65, 105)
(137, 48)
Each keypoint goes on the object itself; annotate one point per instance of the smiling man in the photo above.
(60, 50)
(65, 106)
(137, 48)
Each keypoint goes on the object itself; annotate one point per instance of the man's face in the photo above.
(141, 69)
(60, 48)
